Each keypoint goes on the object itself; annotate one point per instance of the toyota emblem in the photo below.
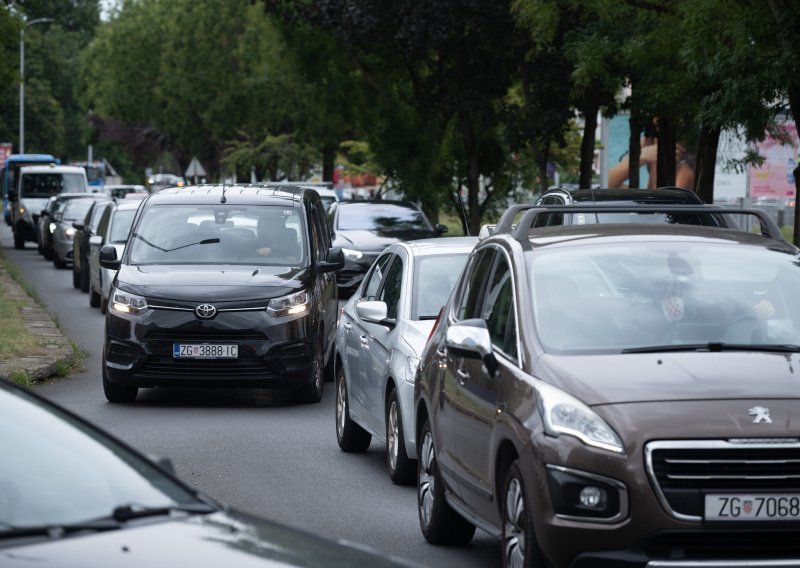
(205, 311)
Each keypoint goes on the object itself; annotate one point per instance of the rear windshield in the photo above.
(48, 184)
(76, 209)
(381, 217)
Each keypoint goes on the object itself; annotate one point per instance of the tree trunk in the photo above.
(634, 150)
(665, 168)
(328, 161)
(707, 144)
(587, 145)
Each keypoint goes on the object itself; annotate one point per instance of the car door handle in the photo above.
(364, 339)
(463, 376)
(347, 326)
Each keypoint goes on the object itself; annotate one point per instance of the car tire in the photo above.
(312, 393)
(118, 393)
(57, 262)
(352, 438)
(103, 305)
(84, 278)
(19, 240)
(519, 544)
(94, 297)
(76, 278)
(402, 469)
(439, 522)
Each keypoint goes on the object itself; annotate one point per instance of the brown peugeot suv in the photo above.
(617, 395)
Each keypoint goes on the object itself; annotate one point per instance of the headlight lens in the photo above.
(69, 233)
(127, 303)
(52, 228)
(291, 305)
(411, 369)
(352, 254)
(565, 414)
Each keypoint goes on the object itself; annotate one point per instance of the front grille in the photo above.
(716, 545)
(205, 336)
(169, 368)
(684, 472)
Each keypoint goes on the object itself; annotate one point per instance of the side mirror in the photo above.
(78, 226)
(108, 256)
(440, 229)
(96, 240)
(333, 261)
(43, 212)
(374, 312)
(470, 338)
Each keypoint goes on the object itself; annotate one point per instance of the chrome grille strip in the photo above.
(177, 309)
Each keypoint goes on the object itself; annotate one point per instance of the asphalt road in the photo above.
(254, 450)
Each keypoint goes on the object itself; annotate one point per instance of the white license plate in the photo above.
(204, 351)
(757, 507)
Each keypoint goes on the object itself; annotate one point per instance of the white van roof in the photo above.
(52, 169)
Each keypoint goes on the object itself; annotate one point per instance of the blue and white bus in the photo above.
(10, 171)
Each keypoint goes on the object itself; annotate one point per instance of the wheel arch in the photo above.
(506, 455)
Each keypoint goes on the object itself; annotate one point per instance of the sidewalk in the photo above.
(58, 348)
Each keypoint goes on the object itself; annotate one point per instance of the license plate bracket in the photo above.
(205, 351)
(742, 507)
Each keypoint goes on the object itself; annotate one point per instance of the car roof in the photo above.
(241, 194)
(52, 168)
(367, 202)
(123, 205)
(627, 195)
(440, 245)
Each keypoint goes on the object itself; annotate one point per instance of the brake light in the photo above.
(436, 323)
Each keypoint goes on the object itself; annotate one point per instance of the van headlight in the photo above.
(564, 414)
(127, 303)
(294, 304)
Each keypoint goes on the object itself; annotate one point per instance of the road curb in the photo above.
(58, 348)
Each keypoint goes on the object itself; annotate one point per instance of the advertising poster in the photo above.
(5, 152)
(774, 177)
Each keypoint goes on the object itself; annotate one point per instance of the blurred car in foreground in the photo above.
(362, 229)
(113, 229)
(617, 395)
(74, 497)
(80, 244)
(381, 333)
(62, 232)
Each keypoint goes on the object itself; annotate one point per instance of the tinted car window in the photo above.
(375, 277)
(498, 311)
(76, 209)
(380, 217)
(97, 214)
(471, 292)
(121, 225)
(392, 285)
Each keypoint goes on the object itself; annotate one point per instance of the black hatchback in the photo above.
(223, 287)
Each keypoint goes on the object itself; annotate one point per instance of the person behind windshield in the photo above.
(275, 240)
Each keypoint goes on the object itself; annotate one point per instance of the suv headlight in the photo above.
(127, 303)
(351, 254)
(564, 414)
(291, 305)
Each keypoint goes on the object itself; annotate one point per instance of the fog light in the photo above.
(593, 497)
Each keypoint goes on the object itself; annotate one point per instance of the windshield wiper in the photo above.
(125, 513)
(716, 347)
(162, 249)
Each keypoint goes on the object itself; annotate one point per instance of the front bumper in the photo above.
(62, 249)
(272, 352)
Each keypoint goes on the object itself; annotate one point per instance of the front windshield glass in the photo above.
(379, 217)
(121, 225)
(44, 185)
(56, 471)
(76, 209)
(434, 278)
(604, 299)
(219, 234)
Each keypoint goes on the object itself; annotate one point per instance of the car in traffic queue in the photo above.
(80, 243)
(617, 395)
(362, 229)
(75, 497)
(119, 191)
(44, 245)
(223, 286)
(112, 229)
(381, 333)
(61, 230)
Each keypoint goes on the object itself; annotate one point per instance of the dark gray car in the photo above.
(617, 395)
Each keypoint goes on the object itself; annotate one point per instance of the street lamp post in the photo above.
(22, 79)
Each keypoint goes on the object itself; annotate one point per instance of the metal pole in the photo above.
(22, 90)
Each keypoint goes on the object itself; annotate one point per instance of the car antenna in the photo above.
(463, 212)
(222, 199)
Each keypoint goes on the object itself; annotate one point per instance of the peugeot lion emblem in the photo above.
(761, 414)
(206, 311)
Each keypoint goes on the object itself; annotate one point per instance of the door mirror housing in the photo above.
(440, 229)
(374, 312)
(108, 256)
(334, 260)
(470, 338)
(77, 226)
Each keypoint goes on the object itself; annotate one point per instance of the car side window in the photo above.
(317, 244)
(498, 310)
(324, 230)
(103, 225)
(392, 285)
(472, 289)
(374, 278)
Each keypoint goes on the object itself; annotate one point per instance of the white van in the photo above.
(35, 185)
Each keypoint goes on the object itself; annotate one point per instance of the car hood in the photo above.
(218, 539)
(374, 241)
(211, 282)
(654, 377)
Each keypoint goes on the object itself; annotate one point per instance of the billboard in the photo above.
(774, 178)
(5, 152)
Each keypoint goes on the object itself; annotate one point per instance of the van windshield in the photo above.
(48, 184)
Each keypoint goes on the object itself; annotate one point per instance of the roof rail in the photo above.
(522, 230)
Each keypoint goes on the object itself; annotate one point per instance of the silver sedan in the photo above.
(380, 336)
